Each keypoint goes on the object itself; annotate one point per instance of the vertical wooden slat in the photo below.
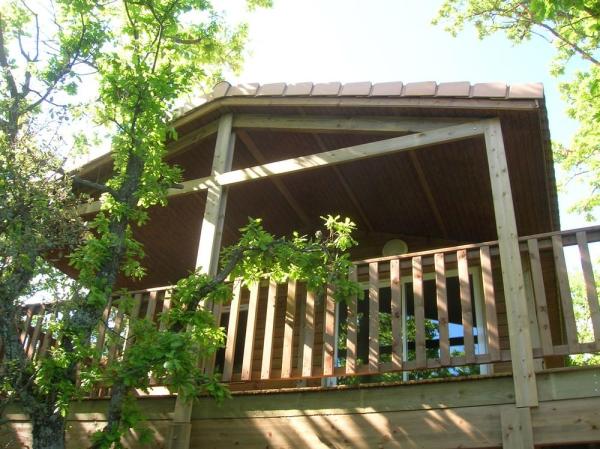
(352, 329)
(489, 295)
(396, 309)
(465, 305)
(134, 316)
(309, 335)
(441, 295)
(374, 317)
(27, 324)
(329, 334)
(165, 310)
(114, 347)
(250, 332)
(46, 339)
(565, 293)
(590, 282)
(151, 310)
(102, 328)
(288, 333)
(234, 312)
(420, 340)
(36, 334)
(539, 292)
(265, 372)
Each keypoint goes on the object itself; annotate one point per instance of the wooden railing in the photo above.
(432, 310)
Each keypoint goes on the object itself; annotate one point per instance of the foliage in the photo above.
(585, 330)
(573, 26)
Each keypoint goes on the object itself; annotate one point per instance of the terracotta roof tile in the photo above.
(298, 89)
(243, 89)
(271, 89)
(356, 89)
(424, 88)
(455, 89)
(390, 89)
(326, 89)
(220, 89)
(489, 90)
(526, 90)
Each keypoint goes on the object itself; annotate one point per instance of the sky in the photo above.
(391, 40)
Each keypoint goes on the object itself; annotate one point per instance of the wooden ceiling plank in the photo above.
(314, 123)
(414, 159)
(346, 186)
(278, 182)
(325, 159)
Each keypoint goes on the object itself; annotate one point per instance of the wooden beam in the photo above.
(435, 210)
(517, 431)
(312, 123)
(512, 270)
(207, 256)
(278, 182)
(325, 159)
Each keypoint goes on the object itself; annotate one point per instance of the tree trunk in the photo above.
(48, 430)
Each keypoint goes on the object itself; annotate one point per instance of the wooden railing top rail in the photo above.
(593, 235)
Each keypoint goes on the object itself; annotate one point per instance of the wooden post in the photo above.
(207, 256)
(517, 431)
(512, 271)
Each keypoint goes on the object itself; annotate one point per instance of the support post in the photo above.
(207, 257)
(512, 270)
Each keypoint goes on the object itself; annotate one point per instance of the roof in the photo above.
(461, 89)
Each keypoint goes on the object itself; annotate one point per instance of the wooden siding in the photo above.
(434, 414)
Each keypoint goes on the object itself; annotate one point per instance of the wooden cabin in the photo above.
(464, 333)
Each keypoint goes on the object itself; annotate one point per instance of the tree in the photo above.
(573, 26)
(145, 55)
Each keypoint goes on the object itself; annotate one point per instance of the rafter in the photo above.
(278, 182)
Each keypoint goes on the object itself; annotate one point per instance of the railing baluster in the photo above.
(489, 295)
(539, 292)
(396, 309)
(288, 333)
(442, 307)
(165, 309)
(374, 317)
(465, 305)
(250, 332)
(565, 293)
(309, 335)
(420, 338)
(36, 333)
(329, 334)
(352, 328)
(265, 372)
(234, 312)
(151, 310)
(115, 345)
(26, 325)
(590, 283)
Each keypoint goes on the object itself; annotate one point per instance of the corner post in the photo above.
(512, 270)
(207, 258)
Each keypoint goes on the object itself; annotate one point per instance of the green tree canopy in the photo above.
(573, 27)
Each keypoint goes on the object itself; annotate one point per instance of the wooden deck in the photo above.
(448, 413)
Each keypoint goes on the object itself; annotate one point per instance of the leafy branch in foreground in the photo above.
(190, 330)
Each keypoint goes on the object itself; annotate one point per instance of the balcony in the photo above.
(431, 314)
